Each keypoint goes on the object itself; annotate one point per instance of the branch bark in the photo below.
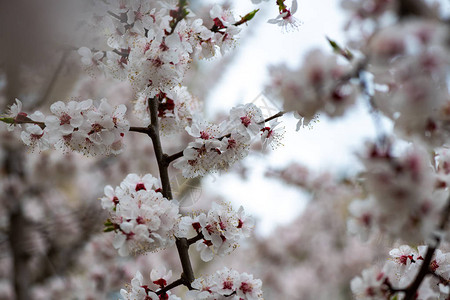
(163, 164)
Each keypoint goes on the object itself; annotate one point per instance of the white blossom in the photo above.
(141, 218)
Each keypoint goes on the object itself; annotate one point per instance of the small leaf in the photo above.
(7, 120)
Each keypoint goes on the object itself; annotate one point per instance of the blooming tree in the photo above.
(396, 61)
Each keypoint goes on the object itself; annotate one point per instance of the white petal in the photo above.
(84, 51)
(294, 7)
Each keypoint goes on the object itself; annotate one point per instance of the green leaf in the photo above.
(246, 18)
(7, 120)
(338, 49)
(334, 45)
(250, 15)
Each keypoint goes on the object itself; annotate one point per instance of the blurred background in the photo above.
(51, 240)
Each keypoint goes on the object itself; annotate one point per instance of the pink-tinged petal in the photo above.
(120, 110)
(105, 107)
(118, 240)
(58, 107)
(85, 105)
(77, 120)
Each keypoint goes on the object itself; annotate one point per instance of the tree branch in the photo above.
(145, 130)
(183, 252)
(173, 157)
(277, 115)
(198, 237)
(170, 286)
(153, 131)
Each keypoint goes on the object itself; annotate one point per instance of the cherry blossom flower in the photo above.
(246, 119)
(272, 135)
(372, 284)
(78, 126)
(34, 135)
(141, 218)
(403, 202)
(88, 58)
(317, 86)
(225, 284)
(404, 255)
(409, 61)
(286, 19)
(141, 291)
(222, 228)
(217, 147)
(15, 113)
(400, 272)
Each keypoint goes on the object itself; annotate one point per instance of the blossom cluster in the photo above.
(152, 43)
(217, 147)
(141, 218)
(321, 84)
(400, 271)
(410, 66)
(368, 10)
(219, 230)
(176, 109)
(226, 284)
(141, 291)
(405, 200)
(79, 126)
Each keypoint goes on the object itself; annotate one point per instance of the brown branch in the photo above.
(123, 54)
(173, 157)
(153, 131)
(183, 252)
(277, 115)
(145, 130)
(198, 237)
(170, 286)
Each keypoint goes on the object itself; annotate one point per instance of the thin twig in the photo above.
(54, 78)
(173, 157)
(196, 238)
(140, 129)
(170, 286)
(277, 115)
